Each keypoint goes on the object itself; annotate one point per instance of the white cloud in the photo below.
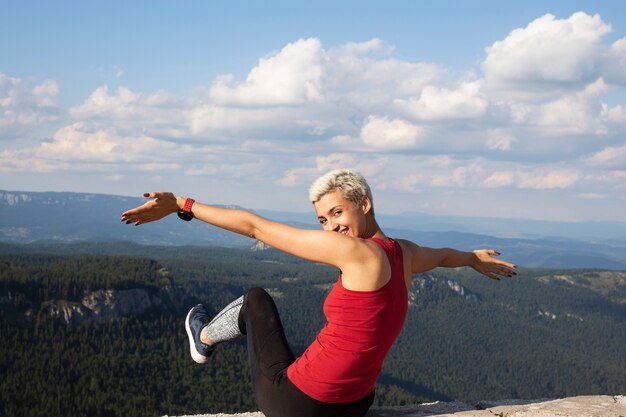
(289, 179)
(409, 126)
(158, 113)
(125, 104)
(323, 163)
(499, 139)
(616, 114)
(345, 141)
(373, 46)
(114, 177)
(409, 183)
(440, 161)
(578, 113)
(344, 86)
(80, 147)
(614, 68)
(384, 133)
(612, 156)
(45, 93)
(24, 106)
(552, 76)
(24, 160)
(500, 179)
(470, 174)
(222, 168)
(218, 123)
(547, 56)
(365, 77)
(539, 179)
(467, 174)
(297, 176)
(607, 180)
(333, 161)
(360, 75)
(548, 180)
(436, 103)
(79, 143)
(292, 76)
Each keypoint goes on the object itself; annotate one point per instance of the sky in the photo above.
(465, 108)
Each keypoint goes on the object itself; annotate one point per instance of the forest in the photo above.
(69, 347)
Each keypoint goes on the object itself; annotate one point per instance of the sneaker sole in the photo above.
(195, 355)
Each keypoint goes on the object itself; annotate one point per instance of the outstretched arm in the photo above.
(424, 259)
(315, 245)
(164, 204)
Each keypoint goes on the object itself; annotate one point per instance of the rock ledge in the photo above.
(583, 406)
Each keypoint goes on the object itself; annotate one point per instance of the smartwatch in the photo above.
(185, 212)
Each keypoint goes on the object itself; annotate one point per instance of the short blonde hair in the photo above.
(351, 183)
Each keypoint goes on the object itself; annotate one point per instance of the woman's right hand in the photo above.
(161, 205)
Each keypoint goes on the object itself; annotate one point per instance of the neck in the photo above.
(373, 229)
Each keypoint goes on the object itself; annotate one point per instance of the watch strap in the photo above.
(188, 203)
(185, 213)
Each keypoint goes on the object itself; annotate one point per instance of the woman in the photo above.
(365, 310)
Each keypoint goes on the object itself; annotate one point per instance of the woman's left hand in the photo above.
(486, 263)
(163, 204)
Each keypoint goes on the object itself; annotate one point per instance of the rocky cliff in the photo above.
(583, 406)
(103, 305)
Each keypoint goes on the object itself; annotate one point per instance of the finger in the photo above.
(492, 276)
(510, 265)
(136, 209)
(157, 195)
(503, 266)
(505, 273)
(128, 213)
(131, 219)
(504, 263)
(131, 213)
(139, 221)
(508, 273)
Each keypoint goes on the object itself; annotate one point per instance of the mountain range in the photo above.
(28, 217)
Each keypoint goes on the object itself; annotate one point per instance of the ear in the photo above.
(366, 204)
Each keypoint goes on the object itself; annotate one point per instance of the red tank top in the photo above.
(345, 359)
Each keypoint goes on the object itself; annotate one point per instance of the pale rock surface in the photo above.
(583, 406)
(102, 305)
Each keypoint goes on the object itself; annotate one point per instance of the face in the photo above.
(338, 214)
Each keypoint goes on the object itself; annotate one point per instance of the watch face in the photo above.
(185, 215)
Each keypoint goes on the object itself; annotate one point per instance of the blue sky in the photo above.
(491, 108)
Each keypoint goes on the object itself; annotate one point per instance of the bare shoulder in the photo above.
(371, 270)
(369, 250)
(409, 249)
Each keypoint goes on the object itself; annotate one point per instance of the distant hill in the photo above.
(27, 217)
(69, 217)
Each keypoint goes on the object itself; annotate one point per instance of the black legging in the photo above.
(270, 356)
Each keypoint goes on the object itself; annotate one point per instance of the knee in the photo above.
(256, 296)
(257, 303)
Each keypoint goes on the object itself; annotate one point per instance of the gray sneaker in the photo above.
(197, 319)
